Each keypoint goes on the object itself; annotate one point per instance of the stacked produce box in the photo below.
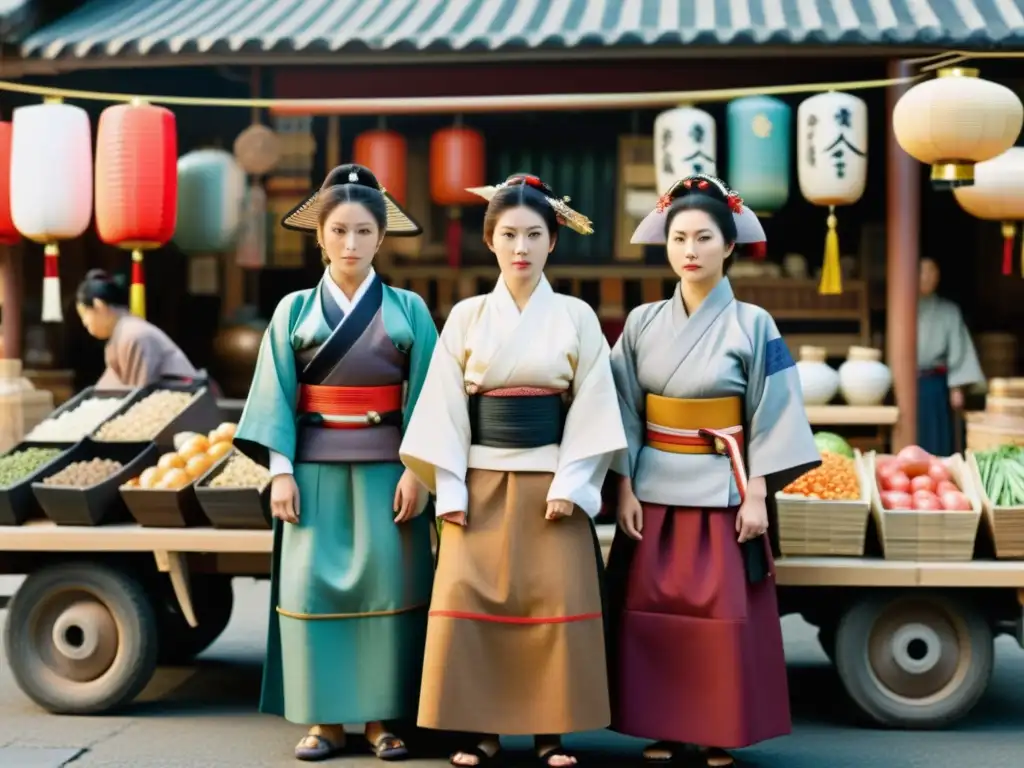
(999, 475)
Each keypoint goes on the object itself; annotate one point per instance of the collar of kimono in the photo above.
(343, 301)
(507, 301)
(713, 303)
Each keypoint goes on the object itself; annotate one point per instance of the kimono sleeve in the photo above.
(964, 368)
(593, 431)
(437, 434)
(780, 444)
(268, 420)
(424, 342)
(630, 394)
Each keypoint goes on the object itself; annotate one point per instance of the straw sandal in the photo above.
(313, 747)
(387, 746)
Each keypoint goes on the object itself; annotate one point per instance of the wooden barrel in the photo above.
(997, 353)
(1005, 396)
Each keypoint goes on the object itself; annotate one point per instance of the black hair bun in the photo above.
(529, 180)
(351, 173)
(702, 184)
(99, 275)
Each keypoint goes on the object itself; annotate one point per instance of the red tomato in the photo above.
(885, 461)
(922, 483)
(897, 481)
(955, 501)
(945, 485)
(896, 500)
(914, 460)
(938, 472)
(927, 502)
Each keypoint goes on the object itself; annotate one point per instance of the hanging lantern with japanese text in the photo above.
(136, 184)
(955, 121)
(997, 194)
(9, 234)
(759, 131)
(832, 165)
(685, 143)
(457, 162)
(211, 200)
(385, 153)
(51, 184)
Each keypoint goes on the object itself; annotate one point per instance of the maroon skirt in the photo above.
(696, 651)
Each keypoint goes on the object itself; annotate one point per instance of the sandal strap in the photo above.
(558, 751)
(474, 751)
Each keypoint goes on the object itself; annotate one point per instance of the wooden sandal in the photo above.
(389, 747)
(668, 747)
(546, 755)
(718, 758)
(482, 758)
(321, 748)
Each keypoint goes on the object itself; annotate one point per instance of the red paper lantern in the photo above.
(384, 153)
(9, 234)
(136, 184)
(457, 161)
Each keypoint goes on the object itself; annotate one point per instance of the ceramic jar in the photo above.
(818, 381)
(864, 379)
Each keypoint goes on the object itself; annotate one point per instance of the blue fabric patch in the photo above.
(776, 357)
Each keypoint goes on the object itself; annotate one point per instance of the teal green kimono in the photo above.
(350, 588)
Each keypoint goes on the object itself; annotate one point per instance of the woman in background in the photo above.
(137, 352)
(339, 371)
(946, 364)
(714, 416)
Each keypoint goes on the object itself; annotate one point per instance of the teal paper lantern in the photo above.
(760, 151)
(211, 201)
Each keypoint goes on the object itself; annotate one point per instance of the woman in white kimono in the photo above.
(946, 364)
(516, 427)
(714, 416)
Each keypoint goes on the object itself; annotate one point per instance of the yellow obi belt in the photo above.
(678, 425)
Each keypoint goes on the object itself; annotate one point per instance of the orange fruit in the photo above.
(194, 445)
(198, 465)
(150, 477)
(174, 479)
(171, 460)
(219, 449)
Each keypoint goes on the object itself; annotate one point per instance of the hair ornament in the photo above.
(564, 215)
(353, 176)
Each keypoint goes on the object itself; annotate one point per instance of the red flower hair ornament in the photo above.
(564, 215)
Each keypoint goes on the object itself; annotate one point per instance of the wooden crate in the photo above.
(1006, 524)
(815, 527)
(929, 536)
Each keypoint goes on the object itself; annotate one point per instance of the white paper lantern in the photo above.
(998, 195)
(51, 184)
(832, 148)
(684, 144)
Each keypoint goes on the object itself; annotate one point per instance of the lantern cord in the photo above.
(137, 291)
(831, 273)
(52, 311)
(460, 104)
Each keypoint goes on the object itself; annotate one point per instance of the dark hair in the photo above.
(521, 190)
(340, 187)
(98, 284)
(709, 203)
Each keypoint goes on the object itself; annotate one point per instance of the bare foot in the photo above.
(489, 747)
(334, 734)
(555, 760)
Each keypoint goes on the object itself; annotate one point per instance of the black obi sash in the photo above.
(516, 421)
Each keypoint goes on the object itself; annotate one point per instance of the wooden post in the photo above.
(10, 262)
(903, 221)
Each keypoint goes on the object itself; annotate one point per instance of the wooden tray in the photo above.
(1006, 524)
(931, 536)
(130, 396)
(98, 504)
(201, 414)
(17, 502)
(233, 508)
(818, 527)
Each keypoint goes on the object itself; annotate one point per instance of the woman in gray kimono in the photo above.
(946, 364)
(137, 352)
(714, 416)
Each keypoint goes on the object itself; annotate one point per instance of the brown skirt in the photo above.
(515, 638)
(697, 653)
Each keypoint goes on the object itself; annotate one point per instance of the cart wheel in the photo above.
(212, 601)
(914, 660)
(81, 638)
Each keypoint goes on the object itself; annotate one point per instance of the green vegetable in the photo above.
(1002, 475)
(833, 443)
(18, 466)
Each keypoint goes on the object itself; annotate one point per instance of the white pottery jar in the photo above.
(864, 379)
(818, 381)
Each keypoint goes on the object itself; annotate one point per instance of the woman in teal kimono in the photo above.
(339, 372)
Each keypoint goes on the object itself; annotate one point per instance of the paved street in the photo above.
(205, 717)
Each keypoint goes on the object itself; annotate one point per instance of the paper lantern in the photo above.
(759, 130)
(8, 232)
(832, 165)
(211, 199)
(684, 144)
(136, 184)
(457, 162)
(51, 184)
(384, 153)
(997, 194)
(955, 121)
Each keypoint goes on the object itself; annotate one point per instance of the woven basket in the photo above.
(818, 527)
(925, 535)
(1006, 524)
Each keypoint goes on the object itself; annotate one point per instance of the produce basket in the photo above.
(200, 415)
(988, 431)
(17, 502)
(233, 508)
(89, 393)
(928, 535)
(100, 503)
(821, 527)
(164, 508)
(1006, 524)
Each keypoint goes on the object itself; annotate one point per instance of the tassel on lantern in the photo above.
(831, 272)
(137, 291)
(455, 237)
(1009, 233)
(52, 312)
